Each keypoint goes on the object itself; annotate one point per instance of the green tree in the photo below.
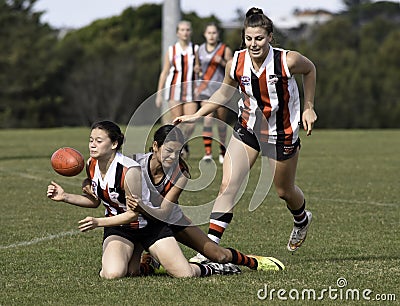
(27, 64)
(356, 62)
(104, 77)
(354, 3)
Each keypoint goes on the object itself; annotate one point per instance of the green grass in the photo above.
(351, 182)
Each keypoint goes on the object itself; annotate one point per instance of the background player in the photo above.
(176, 81)
(213, 56)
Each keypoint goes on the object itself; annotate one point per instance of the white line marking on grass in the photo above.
(38, 240)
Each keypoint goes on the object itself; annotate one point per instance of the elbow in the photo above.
(96, 204)
(132, 215)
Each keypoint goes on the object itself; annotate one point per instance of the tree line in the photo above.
(108, 68)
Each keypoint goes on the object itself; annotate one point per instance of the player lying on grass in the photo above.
(166, 174)
(126, 232)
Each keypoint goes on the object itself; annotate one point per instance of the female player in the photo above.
(269, 119)
(115, 176)
(166, 174)
(213, 56)
(177, 77)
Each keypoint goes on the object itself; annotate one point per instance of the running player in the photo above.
(268, 122)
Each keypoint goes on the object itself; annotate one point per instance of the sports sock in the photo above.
(219, 221)
(205, 270)
(222, 150)
(241, 259)
(207, 139)
(299, 215)
(146, 269)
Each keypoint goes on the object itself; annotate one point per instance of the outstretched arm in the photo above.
(57, 193)
(133, 184)
(219, 98)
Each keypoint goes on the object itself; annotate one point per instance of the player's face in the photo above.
(169, 153)
(257, 42)
(184, 31)
(100, 145)
(211, 35)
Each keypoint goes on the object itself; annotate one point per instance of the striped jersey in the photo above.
(179, 85)
(159, 191)
(211, 70)
(110, 189)
(271, 93)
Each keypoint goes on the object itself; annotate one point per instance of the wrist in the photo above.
(99, 222)
(308, 105)
(65, 197)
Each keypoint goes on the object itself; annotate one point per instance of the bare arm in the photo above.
(162, 212)
(56, 193)
(162, 79)
(226, 58)
(132, 184)
(219, 98)
(299, 64)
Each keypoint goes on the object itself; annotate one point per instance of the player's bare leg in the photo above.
(117, 252)
(284, 181)
(239, 158)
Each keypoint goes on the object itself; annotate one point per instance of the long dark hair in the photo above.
(113, 131)
(168, 133)
(255, 18)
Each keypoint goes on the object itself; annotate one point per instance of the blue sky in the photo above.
(79, 13)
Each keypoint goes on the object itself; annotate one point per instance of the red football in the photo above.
(67, 161)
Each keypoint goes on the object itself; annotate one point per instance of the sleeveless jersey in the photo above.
(160, 190)
(111, 189)
(179, 85)
(271, 93)
(212, 71)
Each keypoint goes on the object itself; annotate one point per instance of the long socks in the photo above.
(218, 224)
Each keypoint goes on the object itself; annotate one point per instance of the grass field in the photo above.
(351, 180)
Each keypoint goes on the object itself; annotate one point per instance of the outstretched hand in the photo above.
(55, 192)
(87, 224)
(185, 119)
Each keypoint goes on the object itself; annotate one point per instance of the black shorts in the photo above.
(146, 236)
(183, 223)
(278, 151)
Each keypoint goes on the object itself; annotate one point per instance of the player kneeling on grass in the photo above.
(126, 232)
(166, 174)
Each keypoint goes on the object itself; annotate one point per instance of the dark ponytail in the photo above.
(255, 18)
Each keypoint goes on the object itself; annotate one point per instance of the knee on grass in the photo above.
(112, 274)
(184, 273)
